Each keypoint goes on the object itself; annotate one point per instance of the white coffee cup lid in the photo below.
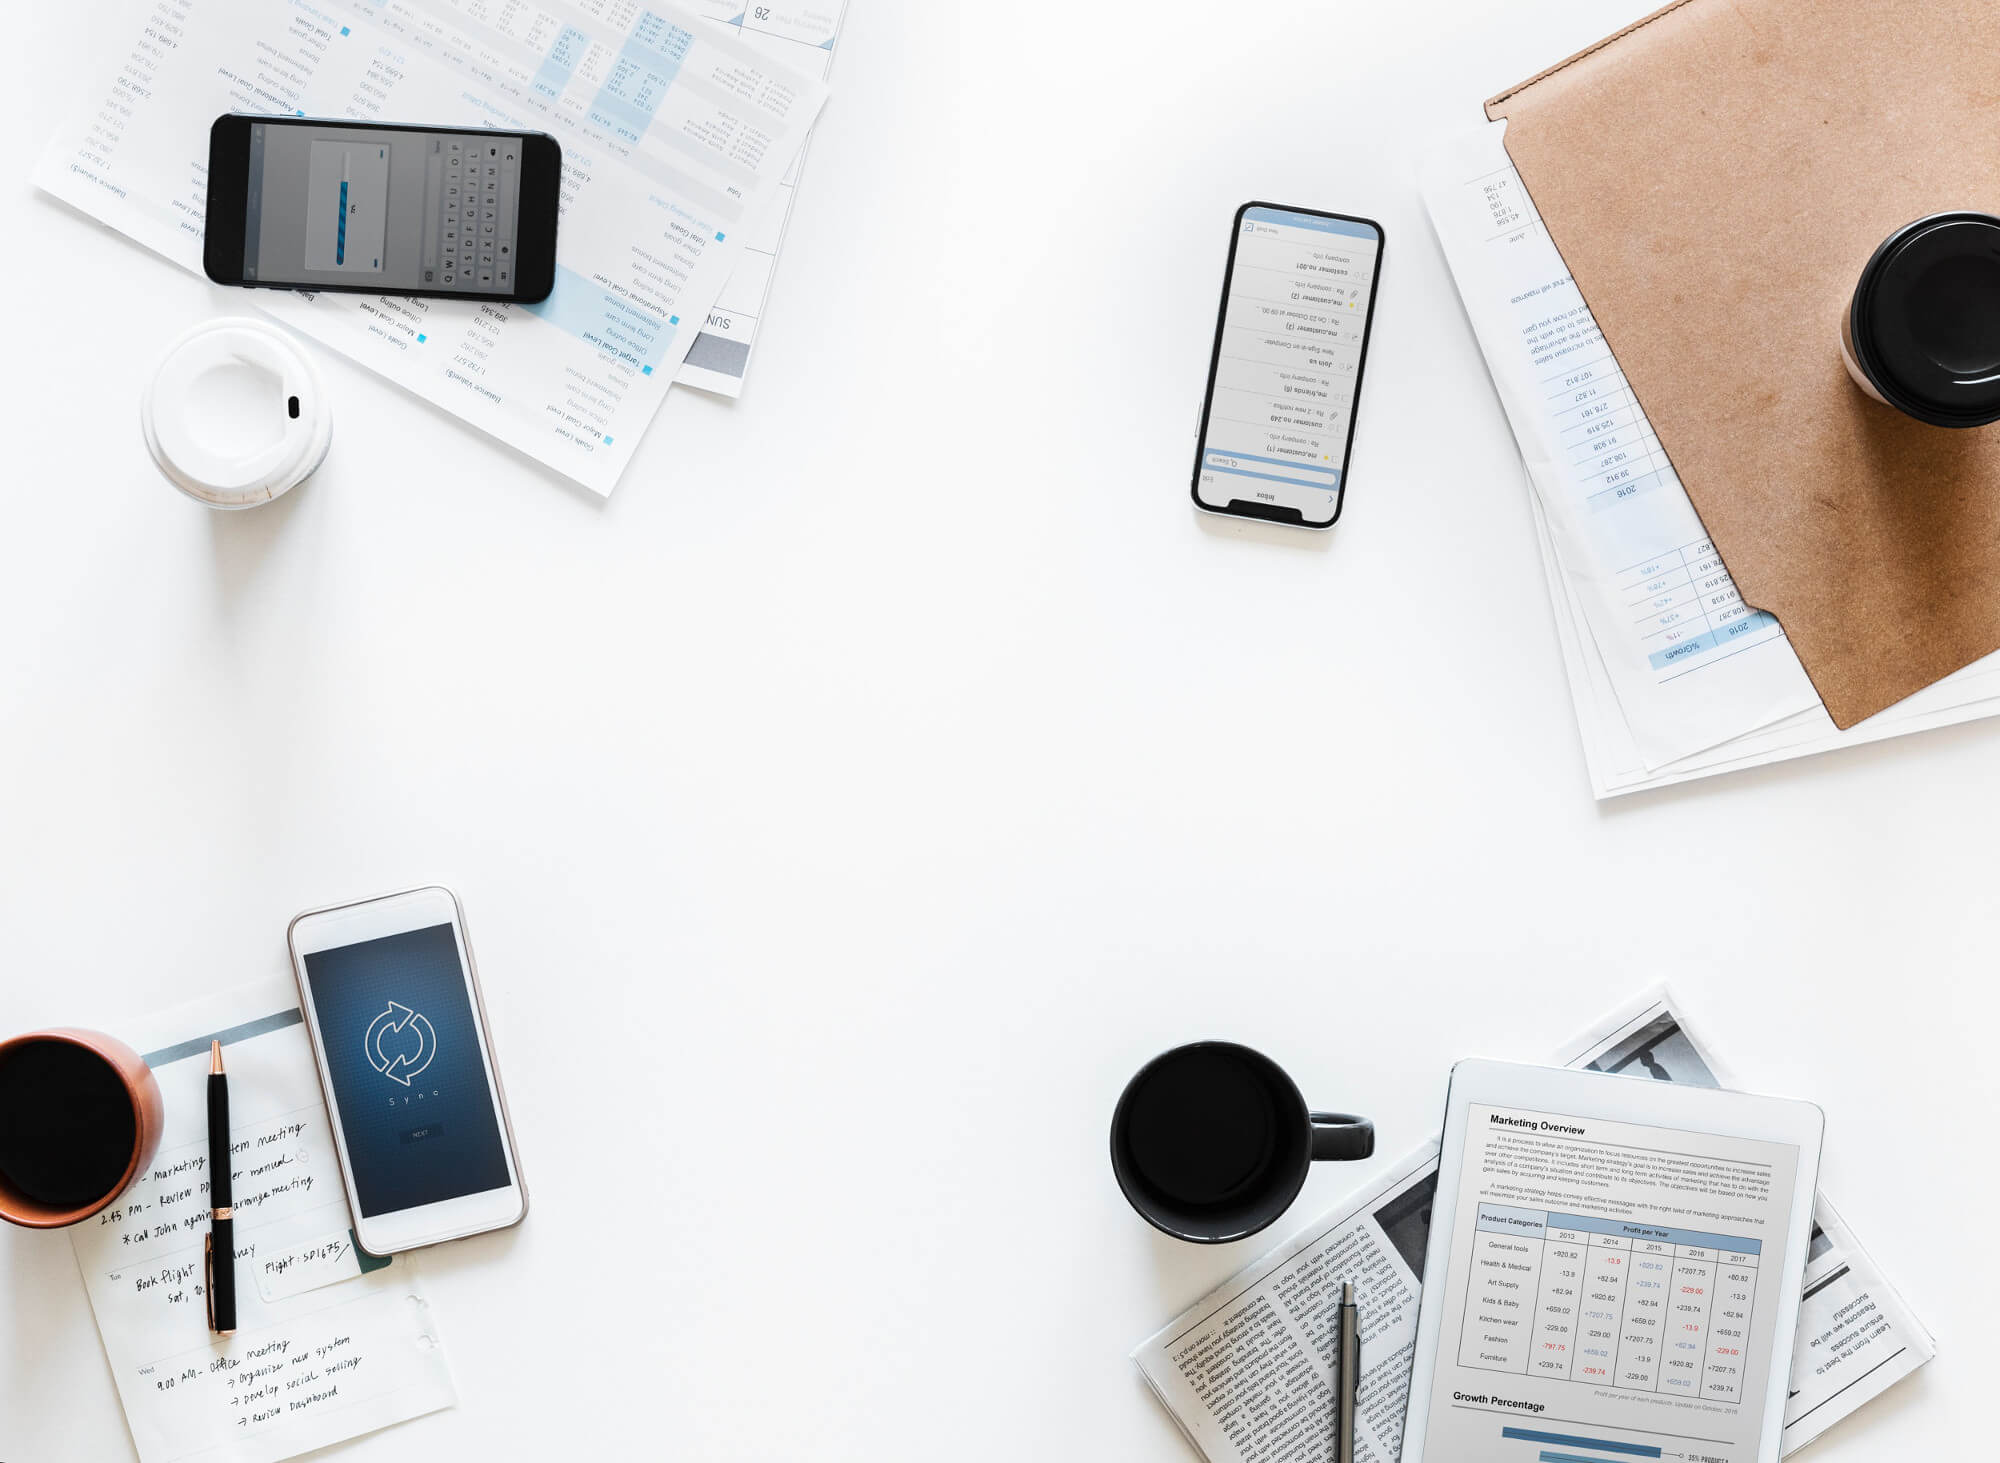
(267, 442)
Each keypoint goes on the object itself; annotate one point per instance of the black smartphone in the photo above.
(1291, 337)
(303, 203)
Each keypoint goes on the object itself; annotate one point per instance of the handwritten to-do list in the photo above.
(330, 1342)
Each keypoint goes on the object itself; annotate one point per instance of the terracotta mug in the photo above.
(80, 1117)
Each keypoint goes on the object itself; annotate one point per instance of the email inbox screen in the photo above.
(1289, 362)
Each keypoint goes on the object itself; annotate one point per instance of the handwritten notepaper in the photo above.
(330, 1342)
(283, 1273)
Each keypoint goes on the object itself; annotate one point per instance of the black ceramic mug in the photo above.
(1211, 1141)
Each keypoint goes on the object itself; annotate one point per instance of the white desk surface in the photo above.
(846, 808)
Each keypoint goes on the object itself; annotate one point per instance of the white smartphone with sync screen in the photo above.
(391, 1000)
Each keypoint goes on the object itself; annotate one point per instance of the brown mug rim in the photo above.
(88, 1040)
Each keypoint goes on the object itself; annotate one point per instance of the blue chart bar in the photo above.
(1563, 1440)
(1548, 1457)
(340, 229)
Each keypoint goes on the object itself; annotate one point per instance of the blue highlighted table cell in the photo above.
(1682, 650)
(1708, 640)
(1504, 1219)
(609, 114)
(561, 61)
(1568, 1440)
(619, 327)
(1736, 629)
(640, 78)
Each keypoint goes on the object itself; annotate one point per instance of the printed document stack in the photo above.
(1672, 674)
(677, 131)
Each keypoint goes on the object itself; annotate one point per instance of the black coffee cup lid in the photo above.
(1926, 319)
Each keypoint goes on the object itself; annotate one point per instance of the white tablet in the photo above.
(1613, 1271)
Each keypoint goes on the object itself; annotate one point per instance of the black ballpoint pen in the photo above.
(1350, 1372)
(219, 1250)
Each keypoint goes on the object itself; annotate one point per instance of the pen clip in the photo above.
(208, 1276)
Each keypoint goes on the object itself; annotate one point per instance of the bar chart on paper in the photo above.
(1547, 1441)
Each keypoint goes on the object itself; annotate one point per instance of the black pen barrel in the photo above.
(221, 1220)
(222, 1274)
(218, 1142)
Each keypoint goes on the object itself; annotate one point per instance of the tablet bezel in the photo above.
(1615, 1098)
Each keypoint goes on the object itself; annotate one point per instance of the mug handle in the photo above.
(1339, 1135)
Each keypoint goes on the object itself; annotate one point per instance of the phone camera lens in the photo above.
(292, 407)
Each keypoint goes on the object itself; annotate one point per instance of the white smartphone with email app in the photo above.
(391, 1000)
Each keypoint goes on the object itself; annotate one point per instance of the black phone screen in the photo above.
(389, 209)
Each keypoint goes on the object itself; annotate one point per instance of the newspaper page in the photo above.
(1248, 1370)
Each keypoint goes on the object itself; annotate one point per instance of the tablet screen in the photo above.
(1613, 1289)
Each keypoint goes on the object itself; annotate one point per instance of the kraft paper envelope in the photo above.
(1715, 177)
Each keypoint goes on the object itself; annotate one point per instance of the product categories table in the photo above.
(1609, 1302)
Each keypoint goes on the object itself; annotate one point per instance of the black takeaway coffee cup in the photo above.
(1211, 1141)
(1922, 333)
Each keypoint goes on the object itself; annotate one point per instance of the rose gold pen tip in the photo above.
(214, 1058)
